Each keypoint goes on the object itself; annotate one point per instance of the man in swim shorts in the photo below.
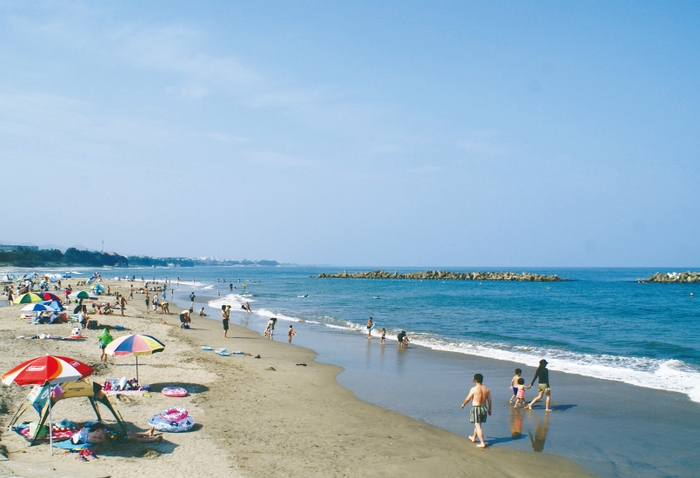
(481, 408)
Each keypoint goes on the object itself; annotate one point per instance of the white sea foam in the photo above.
(269, 314)
(234, 300)
(667, 375)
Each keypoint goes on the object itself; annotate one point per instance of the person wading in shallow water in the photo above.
(481, 408)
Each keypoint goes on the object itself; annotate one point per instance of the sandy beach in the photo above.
(256, 417)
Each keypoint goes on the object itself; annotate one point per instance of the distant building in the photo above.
(14, 247)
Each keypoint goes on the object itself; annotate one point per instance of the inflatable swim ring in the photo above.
(174, 414)
(174, 392)
(166, 425)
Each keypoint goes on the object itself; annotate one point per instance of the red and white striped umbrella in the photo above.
(47, 368)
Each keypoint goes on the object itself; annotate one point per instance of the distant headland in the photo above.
(445, 275)
(29, 256)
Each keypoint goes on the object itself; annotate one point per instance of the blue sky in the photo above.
(436, 134)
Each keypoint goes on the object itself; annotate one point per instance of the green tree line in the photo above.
(54, 257)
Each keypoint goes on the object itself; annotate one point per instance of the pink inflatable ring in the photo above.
(174, 415)
(174, 392)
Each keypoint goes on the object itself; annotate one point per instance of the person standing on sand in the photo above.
(122, 303)
(481, 408)
(291, 334)
(225, 317)
(370, 324)
(192, 297)
(542, 376)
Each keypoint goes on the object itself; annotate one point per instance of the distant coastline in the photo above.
(446, 275)
(20, 256)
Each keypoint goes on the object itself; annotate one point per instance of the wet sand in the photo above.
(256, 417)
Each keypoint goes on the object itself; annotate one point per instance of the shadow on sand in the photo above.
(192, 388)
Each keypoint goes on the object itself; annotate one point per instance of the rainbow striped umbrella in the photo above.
(28, 298)
(135, 344)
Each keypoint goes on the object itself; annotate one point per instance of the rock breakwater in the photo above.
(673, 277)
(444, 275)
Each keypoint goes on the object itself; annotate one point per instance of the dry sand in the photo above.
(256, 417)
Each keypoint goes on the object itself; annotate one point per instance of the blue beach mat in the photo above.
(69, 445)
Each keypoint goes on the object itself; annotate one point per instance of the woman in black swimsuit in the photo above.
(542, 377)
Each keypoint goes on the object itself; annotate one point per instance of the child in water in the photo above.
(514, 384)
(520, 395)
(291, 334)
(383, 339)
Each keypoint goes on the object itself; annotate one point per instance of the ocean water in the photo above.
(601, 324)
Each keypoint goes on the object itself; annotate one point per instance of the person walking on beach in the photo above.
(520, 395)
(481, 408)
(383, 339)
(370, 326)
(225, 317)
(192, 296)
(291, 334)
(514, 384)
(542, 376)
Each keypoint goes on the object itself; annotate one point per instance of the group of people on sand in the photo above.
(518, 386)
(480, 397)
(401, 337)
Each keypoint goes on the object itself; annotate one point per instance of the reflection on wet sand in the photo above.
(537, 441)
(516, 423)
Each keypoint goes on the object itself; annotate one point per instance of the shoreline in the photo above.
(603, 425)
(291, 421)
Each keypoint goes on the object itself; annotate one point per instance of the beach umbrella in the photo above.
(83, 294)
(49, 296)
(37, 308)
(55, 305)
(47, 370)
(134, 344)
(28, 298)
